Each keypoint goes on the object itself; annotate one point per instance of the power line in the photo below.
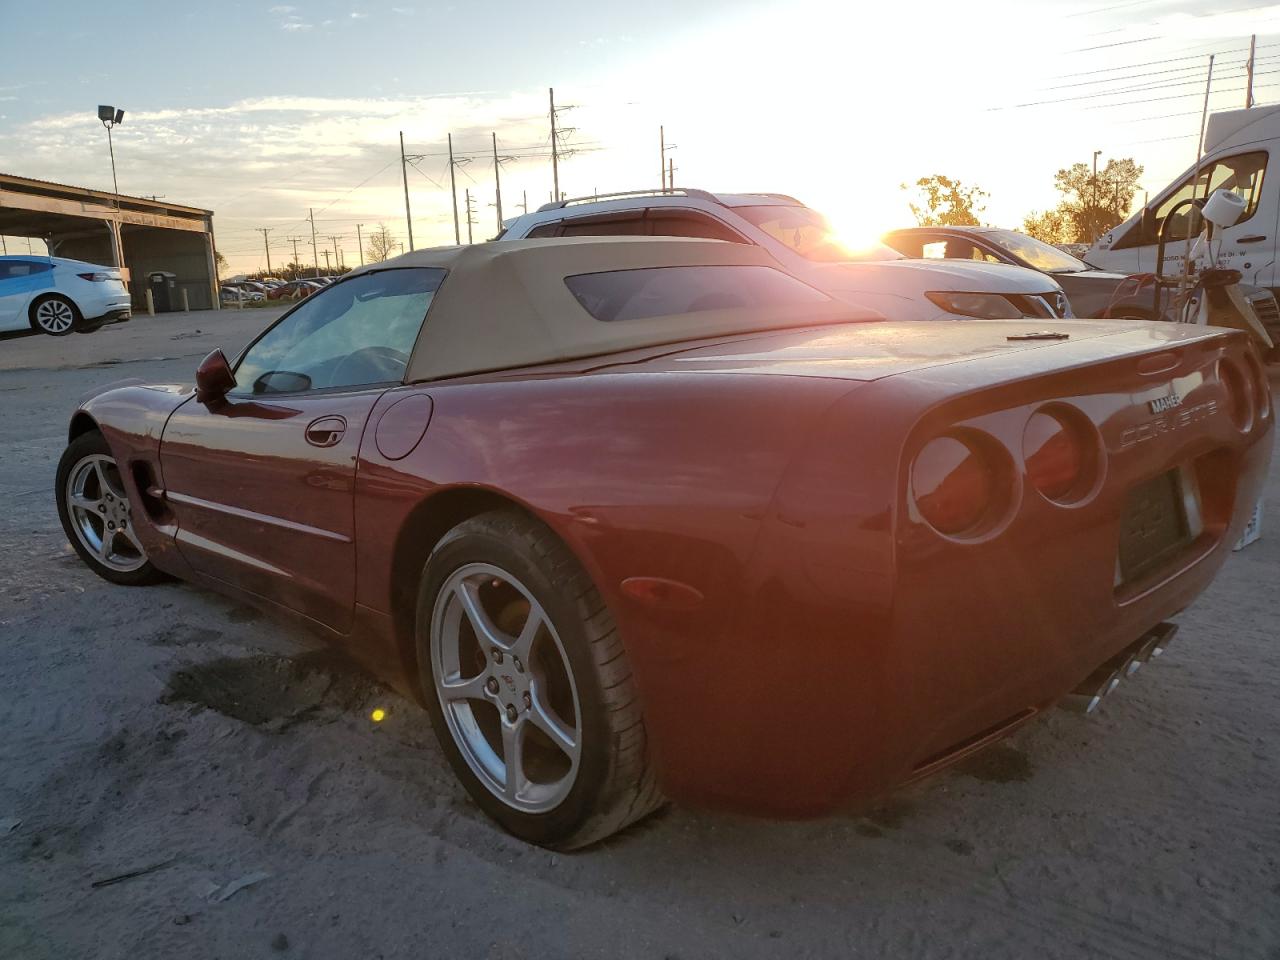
(1141, 88)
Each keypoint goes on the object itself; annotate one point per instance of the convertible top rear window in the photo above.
(671, 291)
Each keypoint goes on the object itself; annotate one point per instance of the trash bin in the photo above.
(164, 290)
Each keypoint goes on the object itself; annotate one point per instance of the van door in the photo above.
(1248, 246)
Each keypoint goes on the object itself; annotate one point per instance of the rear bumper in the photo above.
(863, 650)
(113, 315)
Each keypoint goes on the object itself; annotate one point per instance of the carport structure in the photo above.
(134, 233)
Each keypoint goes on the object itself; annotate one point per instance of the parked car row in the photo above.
(271, 288)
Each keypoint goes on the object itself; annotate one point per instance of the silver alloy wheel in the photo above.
(55, 316)
(506, 688)
(101, 515)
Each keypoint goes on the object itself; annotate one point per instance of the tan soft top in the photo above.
(505, 304)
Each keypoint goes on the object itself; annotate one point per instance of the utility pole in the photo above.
(662, 158)
(453, 189)
(671, 173)
(295, 241)
(1248, 96)
(314, 256)
(326, 262)
(467, 191)
(524, 201)
(336, 261)
(497, 181)
(404, 175)
(266, 246)
(555, 148)
(360, 243)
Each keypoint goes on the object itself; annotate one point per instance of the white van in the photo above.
(1239, 147)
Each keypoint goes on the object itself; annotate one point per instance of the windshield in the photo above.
(1035, 253)
(810, 234)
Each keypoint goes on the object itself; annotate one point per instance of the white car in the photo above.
(802, 242)
(240, 292)
(55, 296)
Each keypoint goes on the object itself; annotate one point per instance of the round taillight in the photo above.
(954, 485)
(1059, 454)
(1238, 401)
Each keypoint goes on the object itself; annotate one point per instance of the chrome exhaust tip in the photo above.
(1087, 697)
(1161, 637)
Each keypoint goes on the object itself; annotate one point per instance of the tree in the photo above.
(946, 203)
(1090, 206)
(380, 245)
(1051, 227)
(219, 262)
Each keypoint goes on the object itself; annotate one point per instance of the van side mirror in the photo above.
(214, 379)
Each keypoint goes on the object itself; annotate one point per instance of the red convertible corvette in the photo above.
(642, 518)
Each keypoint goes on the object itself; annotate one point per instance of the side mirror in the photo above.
(214, 379)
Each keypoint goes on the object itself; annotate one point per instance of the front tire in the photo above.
(96, 514)
(528, 686)
(54, 314)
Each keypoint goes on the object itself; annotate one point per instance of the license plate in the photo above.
(1154, 526)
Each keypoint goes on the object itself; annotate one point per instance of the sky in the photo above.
(260, 110)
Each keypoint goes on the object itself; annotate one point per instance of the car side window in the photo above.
(626, 223)
(641, 293)
(690, 223)
(909, 245)
(353, 333)
(22, 268)
(545, 230)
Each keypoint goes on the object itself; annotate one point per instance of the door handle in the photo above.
(326, 431)
(1250, 239)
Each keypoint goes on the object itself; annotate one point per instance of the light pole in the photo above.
(111, 117)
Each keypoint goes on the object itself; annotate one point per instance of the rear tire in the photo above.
(54, 314)
(96, 514)
(515, 644)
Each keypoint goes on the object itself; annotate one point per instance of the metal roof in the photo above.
(32, 185)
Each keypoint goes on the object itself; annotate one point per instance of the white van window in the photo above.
(1241, 174)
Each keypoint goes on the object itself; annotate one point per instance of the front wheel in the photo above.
(528, 686)
(96, 514)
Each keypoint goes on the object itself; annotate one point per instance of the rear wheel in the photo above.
(528, 686)
(54, 314)
(96, 514)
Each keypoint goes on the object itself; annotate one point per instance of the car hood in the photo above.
(1110, 276)
(913, 278)
(873, 351)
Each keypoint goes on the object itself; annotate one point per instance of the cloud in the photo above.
(403, 11)
(282, 9)
(294, 25)
(356, 15)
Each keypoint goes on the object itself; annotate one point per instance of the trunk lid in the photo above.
(873, 351)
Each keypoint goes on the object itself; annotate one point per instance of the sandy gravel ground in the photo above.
(171, 731)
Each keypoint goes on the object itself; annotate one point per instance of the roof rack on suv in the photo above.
(678, 192)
